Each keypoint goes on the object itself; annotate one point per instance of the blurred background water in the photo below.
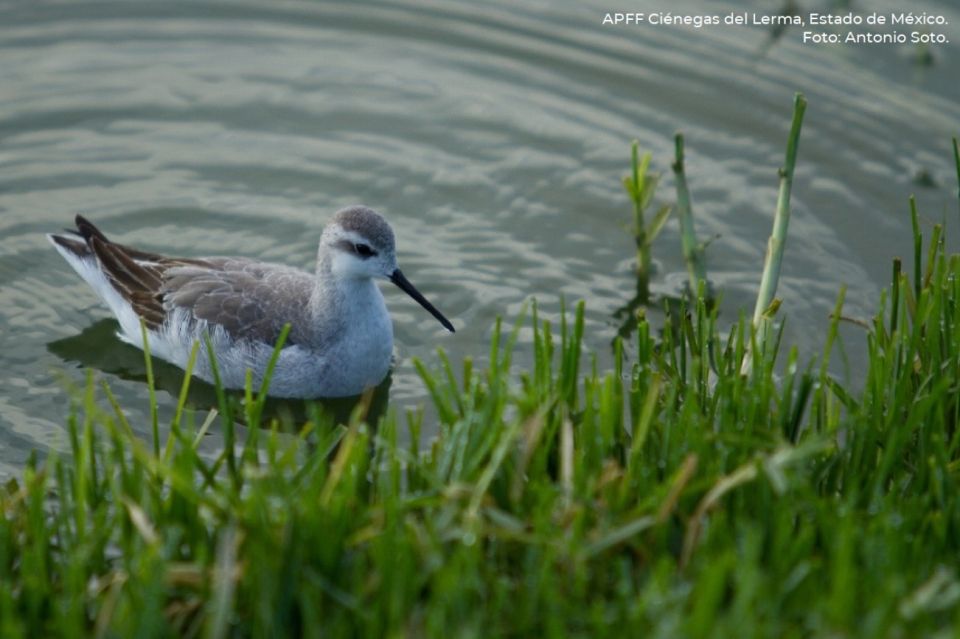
(493, 135)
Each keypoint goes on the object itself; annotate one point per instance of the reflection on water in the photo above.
(493, 136)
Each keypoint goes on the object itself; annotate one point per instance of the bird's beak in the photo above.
(398, 278)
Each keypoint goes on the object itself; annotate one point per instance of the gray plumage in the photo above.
(250, 300)
(360, 219)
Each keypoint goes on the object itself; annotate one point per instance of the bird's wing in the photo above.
(247, 299)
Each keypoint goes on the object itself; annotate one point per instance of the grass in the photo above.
(672, 496)
(715, 504)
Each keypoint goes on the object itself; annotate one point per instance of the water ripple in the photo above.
(493, 135)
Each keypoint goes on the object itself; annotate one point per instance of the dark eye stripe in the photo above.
(359, 249)
(364, 250)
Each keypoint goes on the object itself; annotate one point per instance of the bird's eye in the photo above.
(364, 250)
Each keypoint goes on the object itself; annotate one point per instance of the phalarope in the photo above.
(341, 336)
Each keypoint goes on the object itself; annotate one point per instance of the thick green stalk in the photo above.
(639, 224)
(956, 160)
(692, 251)
(781, 220)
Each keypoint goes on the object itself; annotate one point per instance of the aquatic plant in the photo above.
(691, 247)
(641, 185)
(767, 304)
(956, 159)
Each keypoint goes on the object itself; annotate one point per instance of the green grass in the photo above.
(671, 497)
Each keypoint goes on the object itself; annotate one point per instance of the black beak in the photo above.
(398, 278)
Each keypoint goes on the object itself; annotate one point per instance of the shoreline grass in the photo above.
(673, 497)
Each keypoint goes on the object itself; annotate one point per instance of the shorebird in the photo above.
(341, 335)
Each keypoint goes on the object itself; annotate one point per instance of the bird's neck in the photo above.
(337, 298)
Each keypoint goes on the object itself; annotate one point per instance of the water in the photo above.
(493, 136)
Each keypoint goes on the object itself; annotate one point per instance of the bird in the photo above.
(340, 340)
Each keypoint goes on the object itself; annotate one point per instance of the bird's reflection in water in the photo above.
(99, 348)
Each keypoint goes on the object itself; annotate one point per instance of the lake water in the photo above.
(493, 135)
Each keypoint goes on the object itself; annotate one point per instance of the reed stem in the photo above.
(781, 221)
(692, 250)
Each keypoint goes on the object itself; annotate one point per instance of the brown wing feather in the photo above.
(249, 300)
(137, 282)
(136, 275)
(89, 231)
